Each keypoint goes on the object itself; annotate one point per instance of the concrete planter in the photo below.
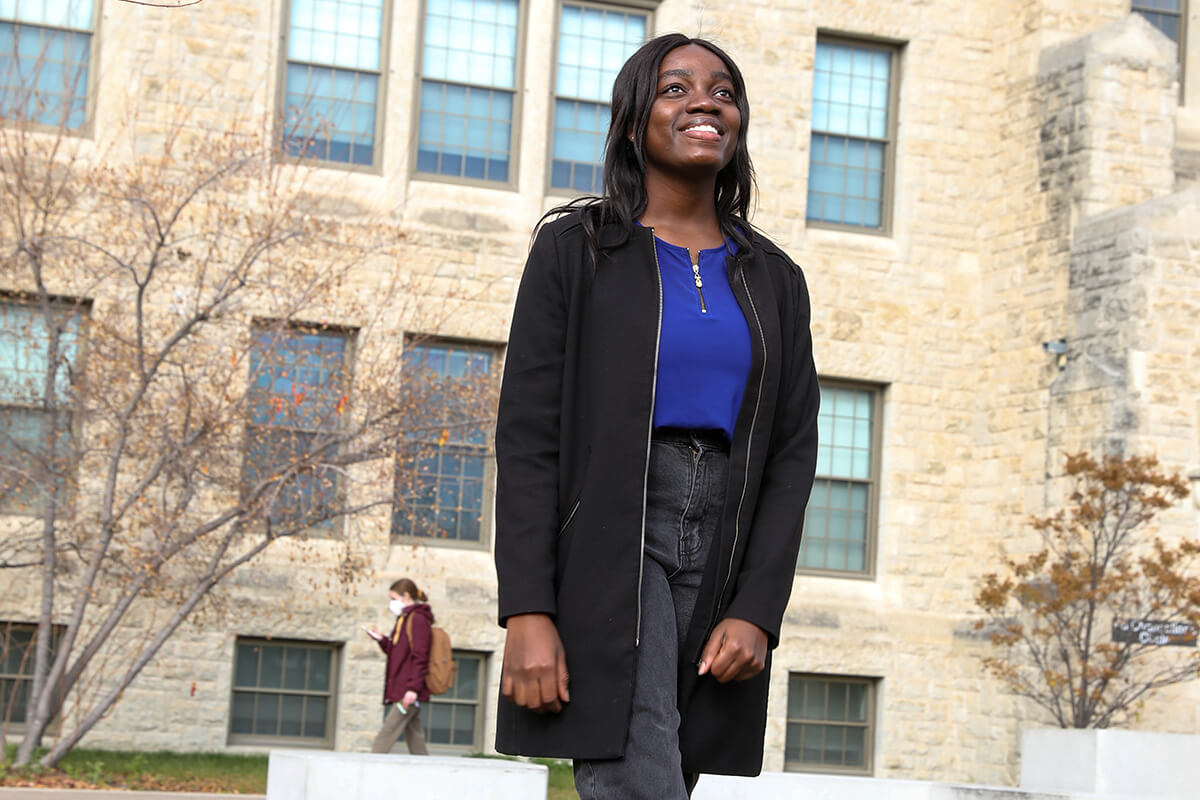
(1154, 766)
(324, 775)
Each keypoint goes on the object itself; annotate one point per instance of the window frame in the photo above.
(514, 144)
(1181, 45)
(329, 740)
(73, 427)
(870, 726)
(385, 32)
(877, 392)
(488, 454)
(649, 7)
(87, 129)
(888, 198)
(337, 523)
(6, 627)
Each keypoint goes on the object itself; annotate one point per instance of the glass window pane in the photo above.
(243, 713)
(834, 744)
(266, 715)
(271, 672)
(851, 92)
(439, 482)
(855, 748)
(319, 661)
(315, 713)
(291, 715)
(294, 667)
(856, 702)
(811, 743)
(441, 720)
(836, 706)
(466, 679)
(247, 665)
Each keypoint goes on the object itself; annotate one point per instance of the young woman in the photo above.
(407, 651)
(655, 445)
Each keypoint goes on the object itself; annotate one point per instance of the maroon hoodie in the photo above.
(406, 666)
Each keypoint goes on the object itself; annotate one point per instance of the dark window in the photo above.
(441, 475)
(830, 724)
(838, 526)
(283, 692)
(453, 722)
(296, 398)
(17, 642)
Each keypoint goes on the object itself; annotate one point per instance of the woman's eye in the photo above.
(726, 93)
(674, 87)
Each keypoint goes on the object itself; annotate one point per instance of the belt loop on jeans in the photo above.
(710, 438)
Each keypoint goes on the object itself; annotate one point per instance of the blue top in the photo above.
(704, 348)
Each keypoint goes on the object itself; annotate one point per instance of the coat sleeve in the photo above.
(764, 581)
(527, 437)
(422, 639)
(385, 644)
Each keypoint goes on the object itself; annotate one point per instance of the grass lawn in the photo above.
(185, 772)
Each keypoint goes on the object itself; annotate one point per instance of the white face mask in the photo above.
(397, 606)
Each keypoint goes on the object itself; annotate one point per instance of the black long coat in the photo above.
(572, 446)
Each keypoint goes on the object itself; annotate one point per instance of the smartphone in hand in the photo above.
(374, 634)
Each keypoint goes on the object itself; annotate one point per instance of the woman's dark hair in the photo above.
(406, 586)
(624, 195)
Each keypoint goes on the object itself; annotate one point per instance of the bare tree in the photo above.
(200, 357)
(1059, 616)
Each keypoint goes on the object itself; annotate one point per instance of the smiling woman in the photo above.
(655, 449)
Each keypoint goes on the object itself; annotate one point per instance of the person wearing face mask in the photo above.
(407, 651)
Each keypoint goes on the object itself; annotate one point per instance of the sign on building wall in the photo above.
(1150, 631)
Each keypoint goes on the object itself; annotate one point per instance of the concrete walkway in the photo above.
(99, 794)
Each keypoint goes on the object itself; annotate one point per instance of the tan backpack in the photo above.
(440, 676)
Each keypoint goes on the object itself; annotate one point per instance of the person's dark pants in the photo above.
(684, 497)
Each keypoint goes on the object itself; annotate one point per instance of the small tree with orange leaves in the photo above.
(1052, 615)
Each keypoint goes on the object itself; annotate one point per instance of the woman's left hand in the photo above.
(736, 651)
(410, 697)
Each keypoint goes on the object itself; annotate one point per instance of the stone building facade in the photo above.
(1027, 174)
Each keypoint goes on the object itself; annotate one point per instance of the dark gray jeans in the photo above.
(684, 496)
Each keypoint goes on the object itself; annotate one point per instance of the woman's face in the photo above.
(694, 121)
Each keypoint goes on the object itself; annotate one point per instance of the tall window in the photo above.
(29, 471)
(297, 396)
(17, 642)
(593, 43)
(283, 692)
(45, 55)
(440, 474)
(334, 70)
(838, 525)
(852, 129)
(830, 724)
(468, 77)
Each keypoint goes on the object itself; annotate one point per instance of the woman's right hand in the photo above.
(534, 674)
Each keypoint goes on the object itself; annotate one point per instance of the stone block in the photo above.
(322, 775)
(1152, 766)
